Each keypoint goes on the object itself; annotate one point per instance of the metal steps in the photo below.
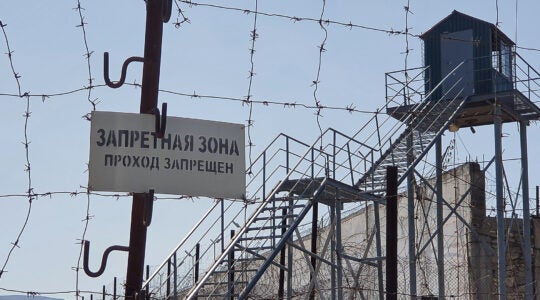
(429, 121)
(255, 245)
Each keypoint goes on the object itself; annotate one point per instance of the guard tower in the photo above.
(468, 57)
(490, 69)
(471, 62)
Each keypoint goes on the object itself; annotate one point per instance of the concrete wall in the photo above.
(463, 185)
(470, 262)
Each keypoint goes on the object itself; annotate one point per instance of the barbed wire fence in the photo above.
(249, 100)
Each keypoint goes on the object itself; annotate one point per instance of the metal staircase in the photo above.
(428, 120)
(237, 242)
(255, 246)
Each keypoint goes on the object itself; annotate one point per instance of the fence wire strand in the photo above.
(348, 25)
(253, 37)
(93, 103)
(26, 144)
(10, 57)
(180, 17)
(316, 82)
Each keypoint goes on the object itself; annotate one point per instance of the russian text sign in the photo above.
(195, 157)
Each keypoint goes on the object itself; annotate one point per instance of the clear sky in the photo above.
(209, 55)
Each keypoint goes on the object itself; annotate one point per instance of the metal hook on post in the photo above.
(166, 10)
(148, 208)
(103, 259)
(120, 82)
(161, 120)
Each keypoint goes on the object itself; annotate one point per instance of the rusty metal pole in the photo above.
(149, 99)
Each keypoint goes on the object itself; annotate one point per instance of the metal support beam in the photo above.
(339, 251)
(378, 249)
(197, 264)
(289, 247)
(529, 292)
(391, 232)
(332, 256)
(281, 288)
(222, 225)
(175, 279)
(168, 280)
(147, 290)
(501, 239)
(440, 226)
(411, 221)
(243, 294)
(314, 231)
(231, 266)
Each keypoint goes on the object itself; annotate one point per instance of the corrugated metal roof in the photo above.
(458, 14)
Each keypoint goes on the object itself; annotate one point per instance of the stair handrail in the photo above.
(409, 117)
(406, 84)
(529, 79)
(405, 123)
(282, 242)
(180, 244)
(251, 220)
(183, 241)
(443, 128)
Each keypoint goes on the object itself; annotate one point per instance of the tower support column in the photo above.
(529, 291)
(501, 239)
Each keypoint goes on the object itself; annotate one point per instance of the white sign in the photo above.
(194, 158)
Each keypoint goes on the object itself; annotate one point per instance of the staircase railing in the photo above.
(406, 87)
(419, 121)
(285, 157)
(526, 78)
(209, 236)
(311, 164)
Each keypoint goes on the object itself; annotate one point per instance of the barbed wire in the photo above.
(253, 37)
(26, 143)
(70, 193)
(88, 192)
(348, 25)
(407, 49)
(30, 293)
(180, 18)
(317, 80)
(87, 55)
(45, 96)
(93, 103)
(86, 220)
(350, 108)
(10, 56)
(29, 193)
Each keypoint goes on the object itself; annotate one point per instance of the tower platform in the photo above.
(478, 109)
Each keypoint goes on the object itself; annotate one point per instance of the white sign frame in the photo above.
(194, 158)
